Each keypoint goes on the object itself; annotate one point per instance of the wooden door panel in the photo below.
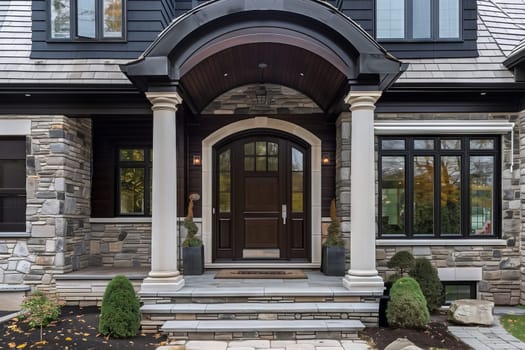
(225, 234)
(297, 233)
(261, 194)
(261, 233)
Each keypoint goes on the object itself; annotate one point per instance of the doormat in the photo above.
(260, 274)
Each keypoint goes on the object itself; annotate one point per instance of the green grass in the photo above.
(515, 325)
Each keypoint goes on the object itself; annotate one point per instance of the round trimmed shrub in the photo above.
(427, 277)
(407, 307)
(403, 260)
(120, 313)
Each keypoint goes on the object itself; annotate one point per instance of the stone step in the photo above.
(262, 329)
(239, 308)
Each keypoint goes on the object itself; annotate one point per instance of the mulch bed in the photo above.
(435, 336)
(77, 328)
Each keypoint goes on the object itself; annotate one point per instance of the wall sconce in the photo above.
(325, 159)
(197, 159)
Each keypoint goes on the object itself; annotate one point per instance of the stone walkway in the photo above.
(319, 344)
(490, 338)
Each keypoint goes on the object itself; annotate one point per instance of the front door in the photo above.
(261, 199)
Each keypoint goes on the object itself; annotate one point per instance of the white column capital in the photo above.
(362, 99)
(164, 100)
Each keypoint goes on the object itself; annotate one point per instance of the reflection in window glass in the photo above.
(390, 19)
(132, 190)
(273, 163)
(12, 173)
(459, 290)
(423, 144)
(482, 144)
(112, 19)
(297, 160)
(260, 164)
(423, 195)
(393, 195)
(451, 144)
(421, 19)
(393, 144)
(60, 19)
(134, 155)
(260, 148)
(261, 156)
(225, 181)
(249, 149)
(297, 181)
(272, 148)
(86, 20)
(451, 195)
(481, 192)
(448, 19)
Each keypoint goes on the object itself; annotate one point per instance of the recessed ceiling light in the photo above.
(225, 74)
(27, 95)
(262, 65)
(482, 93)
(301, 74)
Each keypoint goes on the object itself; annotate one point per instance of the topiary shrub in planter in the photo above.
(120, 312)
(407, 307)
(427, 277)
(192, 247)
(333, 252)
(403, 261)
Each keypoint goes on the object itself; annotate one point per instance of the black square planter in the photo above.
(333, 261)
(193, 260)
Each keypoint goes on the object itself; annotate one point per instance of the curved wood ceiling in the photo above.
(283, 64)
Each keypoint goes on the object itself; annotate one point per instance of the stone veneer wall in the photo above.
(120, 244)
(58, 203)
(500, 264)
(522, 203)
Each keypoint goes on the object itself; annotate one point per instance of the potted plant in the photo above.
(333, 253)
(192, 247)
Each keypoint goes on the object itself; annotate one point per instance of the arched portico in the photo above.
(306, 45)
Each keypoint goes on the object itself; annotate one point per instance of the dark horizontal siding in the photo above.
(145, 20)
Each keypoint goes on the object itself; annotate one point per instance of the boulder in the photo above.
(402, 344)
(471, 312)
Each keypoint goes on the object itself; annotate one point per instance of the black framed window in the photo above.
(433, 187)
(12, 184)
(87, 19)
(418, 19)
(455, 290)
(134, 181)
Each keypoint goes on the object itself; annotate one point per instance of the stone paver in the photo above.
(489, 338)
(312, 344)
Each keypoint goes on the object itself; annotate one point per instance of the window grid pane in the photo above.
(393, 195)
(86, 19)
(112, 19)
(390, 19)
(225, 181)
(423, 195)
(448, 19)
(421, 19)
(481, 194)
(60, 19)
(451, 195)
(132, 181)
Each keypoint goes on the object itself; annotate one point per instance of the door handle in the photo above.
(283, 213)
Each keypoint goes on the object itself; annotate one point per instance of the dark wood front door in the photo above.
(260, 199)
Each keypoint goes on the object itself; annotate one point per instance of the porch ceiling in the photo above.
(263, 63)
(234, 37)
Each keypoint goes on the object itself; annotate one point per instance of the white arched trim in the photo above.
(207, 174)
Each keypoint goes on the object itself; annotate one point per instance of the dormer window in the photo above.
(418, 19)
(87, 19)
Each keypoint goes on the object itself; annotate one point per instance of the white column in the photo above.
(362, 276)
(164, 274)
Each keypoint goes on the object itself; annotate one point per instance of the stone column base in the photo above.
(161, 285)
(364, 284)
